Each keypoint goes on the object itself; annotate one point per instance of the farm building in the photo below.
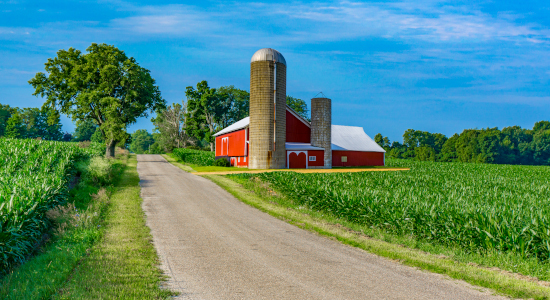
(274, 136)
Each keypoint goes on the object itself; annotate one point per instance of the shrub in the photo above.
(197, 157)
(100, 170)
(222, 162)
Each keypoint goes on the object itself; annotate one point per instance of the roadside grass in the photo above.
(454, 263)
(99, 247)
(124, 263)
(177, 162)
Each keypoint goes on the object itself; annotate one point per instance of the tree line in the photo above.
(30, 123)
(511, 145)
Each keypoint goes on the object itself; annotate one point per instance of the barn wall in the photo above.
(239, 161)
(357, 158)
(296, 130)
(319, 158)
(236, 143)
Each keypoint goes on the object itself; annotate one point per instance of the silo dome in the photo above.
(268, 54)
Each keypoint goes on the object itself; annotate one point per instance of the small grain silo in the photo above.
(267, 127)
(321, 120)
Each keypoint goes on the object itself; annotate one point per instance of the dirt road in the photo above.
(215, 247)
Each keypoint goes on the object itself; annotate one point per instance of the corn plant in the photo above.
(474, 206)
(34, 178)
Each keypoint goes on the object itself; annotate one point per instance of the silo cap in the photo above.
(268, 54)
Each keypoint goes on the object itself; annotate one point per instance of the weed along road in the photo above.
(212, 246)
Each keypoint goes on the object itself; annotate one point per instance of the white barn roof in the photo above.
(352, 138)
(243, 123)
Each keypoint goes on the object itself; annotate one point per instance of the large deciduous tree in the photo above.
(103, 85)
(203, 110)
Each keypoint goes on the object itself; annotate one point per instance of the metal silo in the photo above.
(267, 127)
(321, 119)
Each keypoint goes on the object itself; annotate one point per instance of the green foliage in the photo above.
(197, 157)
(5, 114)
(235, 104)
(30, 123)
(141, 140)
(477, 207)
(203, 110)
(382, 141)
(33, 179)
(103, 85)
(299, 106)
(222, 162)
(84, 130)
(511, 145)
(99, 171)
(15, 127)
(170, 130)
(98, 136)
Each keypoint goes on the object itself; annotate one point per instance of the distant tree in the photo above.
(203, 112)
(84, 130)
(424, 153)
(5, 114)
(67, 137)
(103, 85)
(299, 106)
(541, 147)
(382, 141)
(448, 151)
(235, 104)
(170, 130)
(98, 136)
(141, 140)
(15, 127)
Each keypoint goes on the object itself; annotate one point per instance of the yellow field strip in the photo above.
(303, 171)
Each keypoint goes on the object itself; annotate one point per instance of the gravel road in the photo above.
(212, 246)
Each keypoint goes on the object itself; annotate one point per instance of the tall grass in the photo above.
(475, 206)
(34, 178)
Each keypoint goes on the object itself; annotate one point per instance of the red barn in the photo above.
(316, 144)
(350, 146)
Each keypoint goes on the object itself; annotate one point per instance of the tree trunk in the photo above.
(212, 147)
(110, 151)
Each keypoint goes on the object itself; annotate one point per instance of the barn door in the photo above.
(225, 146)
(297, 160)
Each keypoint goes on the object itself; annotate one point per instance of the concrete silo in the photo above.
(321, 120)
(267, 129)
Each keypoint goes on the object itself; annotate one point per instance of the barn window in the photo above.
(238, 159)
(312, 158)
(344, 159)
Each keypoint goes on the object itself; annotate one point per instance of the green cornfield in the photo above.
(34, 178)
(197, 157)
(474, 206)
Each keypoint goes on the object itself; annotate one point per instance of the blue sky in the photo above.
(438, 66)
